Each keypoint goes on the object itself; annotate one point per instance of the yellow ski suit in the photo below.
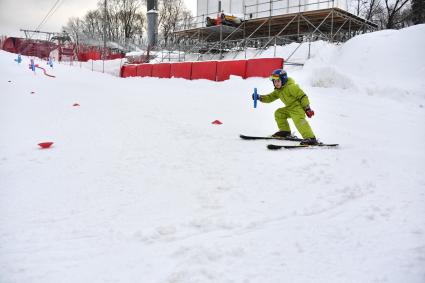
(296, 101)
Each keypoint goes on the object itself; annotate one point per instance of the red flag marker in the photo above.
(45, 144)
(216, 122)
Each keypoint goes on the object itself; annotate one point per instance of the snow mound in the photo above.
(329, 77)
(387, 63)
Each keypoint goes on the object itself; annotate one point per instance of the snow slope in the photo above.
(139, 186)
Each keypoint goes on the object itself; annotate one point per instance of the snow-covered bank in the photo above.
(141, 187)
(385, 63)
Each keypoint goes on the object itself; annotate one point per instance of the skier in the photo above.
(297, 106)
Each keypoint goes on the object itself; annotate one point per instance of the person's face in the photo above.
(277, 83)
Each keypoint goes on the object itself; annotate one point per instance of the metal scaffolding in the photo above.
(329, 24)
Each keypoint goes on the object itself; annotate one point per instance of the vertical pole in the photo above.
(221, 29)
(203, 19)
(244, 29)
(221, 39)
(349, 29)
(270, 17)
(309, 45)
(179, 50)
(104, 38)
(299, 18)
(332, 23)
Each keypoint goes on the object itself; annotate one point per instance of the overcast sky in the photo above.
(28, 14)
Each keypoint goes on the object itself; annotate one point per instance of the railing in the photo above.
(262, 10)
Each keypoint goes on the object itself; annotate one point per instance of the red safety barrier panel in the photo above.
(10, 44)
(144, 70)
(262, 67)
(227, 68)
(95, 55)
(204, 70)
(91, 55)
(161, 70)
(83, 57)
(128, 71)
(181, 70)
(115, 56)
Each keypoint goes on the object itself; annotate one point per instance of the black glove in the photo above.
(258, 97)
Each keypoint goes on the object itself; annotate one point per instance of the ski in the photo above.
(269, 138)
(274, 146)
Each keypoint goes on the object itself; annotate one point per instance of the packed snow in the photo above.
(140, 186)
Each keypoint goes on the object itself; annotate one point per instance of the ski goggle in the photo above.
(274, 77)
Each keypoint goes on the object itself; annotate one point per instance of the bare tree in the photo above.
(186, 20)
(139, 25)
(372, 8)
(386, 13)
(171, 13)
(74, 28)
(113, 21)
(393, 12)
(358, 5)
(93, 25)
(128, 15)
(124, 21)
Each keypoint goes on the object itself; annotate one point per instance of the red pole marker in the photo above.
(216, 122)
(45, 144)
(44, 71)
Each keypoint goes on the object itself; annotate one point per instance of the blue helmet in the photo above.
(279, 74)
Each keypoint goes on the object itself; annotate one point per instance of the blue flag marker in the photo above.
(50, 62)
(255, 97)
(32, 65)
(19, 59)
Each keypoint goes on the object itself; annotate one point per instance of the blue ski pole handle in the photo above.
(255, 97)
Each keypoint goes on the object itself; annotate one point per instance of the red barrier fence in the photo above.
(209, 70)
(115, 56)
(262, 67)
(227, 68)
(161, 70)
(129, 71)
(29, 47)
(181, 70)
(96, 55)
(43, 49)
(91, 55)
(204, 70)
(144, 70)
